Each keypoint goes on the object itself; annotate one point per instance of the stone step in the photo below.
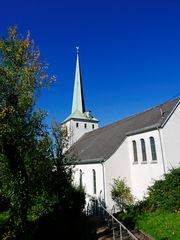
(103, 233)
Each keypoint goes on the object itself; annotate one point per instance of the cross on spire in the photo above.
(77, 49)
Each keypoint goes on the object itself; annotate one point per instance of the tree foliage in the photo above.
(33, 175)
(121, 194)
(22, 75)
(164, 194)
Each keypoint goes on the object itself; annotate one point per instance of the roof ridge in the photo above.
(128, 118)
(137, 114)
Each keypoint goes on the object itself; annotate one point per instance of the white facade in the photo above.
(138, 174)
(117, 166)
(92, 184)
(170, 135)
(78, 127)
(143, 173)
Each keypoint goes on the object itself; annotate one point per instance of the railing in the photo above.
(119, 231)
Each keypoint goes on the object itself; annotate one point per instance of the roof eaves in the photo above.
(145, 129)
(90, 161)
(137, 131)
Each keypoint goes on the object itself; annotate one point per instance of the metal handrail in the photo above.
(120, 224)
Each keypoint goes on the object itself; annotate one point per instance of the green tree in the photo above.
(22, 75)
(121, 194)
(35, 176)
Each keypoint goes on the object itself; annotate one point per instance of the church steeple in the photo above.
(79, 121)
(78, 97)
(78, 106)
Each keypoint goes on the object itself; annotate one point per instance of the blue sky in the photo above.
(129, 51)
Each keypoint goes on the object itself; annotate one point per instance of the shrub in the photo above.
(121, 194)
(164, 194)
(129, 218)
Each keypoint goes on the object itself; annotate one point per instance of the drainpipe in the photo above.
(162, 151)
(102, 163)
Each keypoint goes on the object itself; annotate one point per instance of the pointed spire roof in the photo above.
(78, 97)
(78, 106)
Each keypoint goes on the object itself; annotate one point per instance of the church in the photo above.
(139, 148)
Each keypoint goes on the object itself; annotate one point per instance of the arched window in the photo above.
(153, 148)
(135, 151)
(80, 178)
(143, 147)
(94, 181)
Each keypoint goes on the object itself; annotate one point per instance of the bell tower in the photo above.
(79, 121)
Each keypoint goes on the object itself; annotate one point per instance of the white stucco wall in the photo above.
(138, 175)
(117, 166)
(143, 174)
(76, 132)
(87, 179)
(170, 135)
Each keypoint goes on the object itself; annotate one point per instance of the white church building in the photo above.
(139, 148)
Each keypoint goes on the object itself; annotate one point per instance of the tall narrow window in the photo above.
(93, 126)
(135, 151)
(80, 178)
(85, 125)
(77, 125)
(143, 147)
(94, 181)
(153, 148)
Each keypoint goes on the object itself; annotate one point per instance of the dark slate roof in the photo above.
(100, 144)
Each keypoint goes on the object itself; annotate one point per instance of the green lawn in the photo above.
(160, 225)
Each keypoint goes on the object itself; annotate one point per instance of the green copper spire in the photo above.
(78, 98)
(78, 106)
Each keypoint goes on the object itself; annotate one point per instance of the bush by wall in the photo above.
(164, 194)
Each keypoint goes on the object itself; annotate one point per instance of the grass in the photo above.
(160, 225)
